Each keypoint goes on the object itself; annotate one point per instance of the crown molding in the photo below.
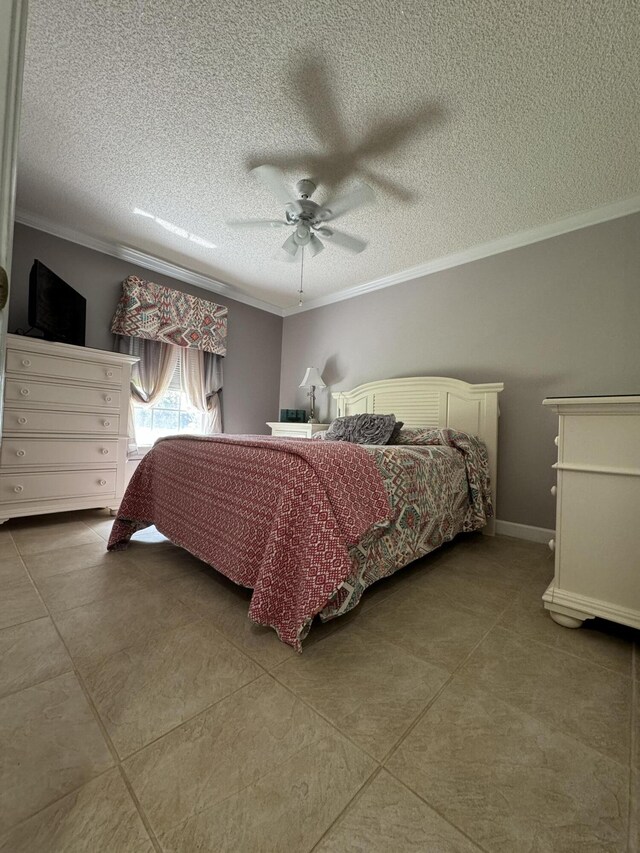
(143, 259)
(482, 250)
(575, 222)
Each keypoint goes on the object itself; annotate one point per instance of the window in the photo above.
(172, 414)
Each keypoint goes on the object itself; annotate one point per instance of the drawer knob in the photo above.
(109, 373)
(19, 452)
(22, 421)
(102, 482)
(24, 392)
(554, 490)
(106, 423)
(552, 544)
(556, 441)
(104, 451)
(18, 489)
(26, 362)
(108, 398)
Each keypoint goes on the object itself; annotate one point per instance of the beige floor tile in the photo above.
(598, 641)
(7, 545)
(503, 566)
(463, 587)
(67, 590)
(369, 688)
(19, 601)
(11, 567)
(147, 689)
(427, 627)
(99, 520)
(99, 817)
(517, 554)
(49, 537)
(50, 744)
(165, 564)
(509, 781)
(259, 750)
(64, 560)
(582, 699)
(103, 528)
(30, 653)
(226, 605)
(98, 630)
(287, 809)
(387, 817)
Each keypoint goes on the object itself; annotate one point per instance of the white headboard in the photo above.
(433, 401)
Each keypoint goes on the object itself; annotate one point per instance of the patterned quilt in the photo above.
(437, 487)
(275, 515)
(308, 525)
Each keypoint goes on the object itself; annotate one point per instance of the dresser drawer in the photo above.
(34, 364)
(64, 423)
(18, 487)
(26, 452)
(47, 393)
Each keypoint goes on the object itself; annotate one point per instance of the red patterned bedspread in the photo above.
(275, 515)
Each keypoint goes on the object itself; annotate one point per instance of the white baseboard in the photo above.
(524, 531)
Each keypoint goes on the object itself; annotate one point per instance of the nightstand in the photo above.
(296, 430)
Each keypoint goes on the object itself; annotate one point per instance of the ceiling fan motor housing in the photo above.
(305, 188)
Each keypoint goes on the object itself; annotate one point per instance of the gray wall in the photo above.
(252, 365)
(556, 318)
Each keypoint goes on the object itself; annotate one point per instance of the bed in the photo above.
(308, 525)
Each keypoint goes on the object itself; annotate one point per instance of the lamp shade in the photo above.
(312, 377)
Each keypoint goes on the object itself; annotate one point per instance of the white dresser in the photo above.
(597, 540)
(294, 430)
(64, 437)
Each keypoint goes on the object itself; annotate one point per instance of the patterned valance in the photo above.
(148, 310)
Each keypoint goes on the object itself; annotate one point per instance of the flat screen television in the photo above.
(55, 308)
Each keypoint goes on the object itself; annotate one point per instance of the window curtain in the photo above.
(150, 376)
(201, 378)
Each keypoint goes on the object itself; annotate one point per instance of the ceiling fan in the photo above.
(307, 218)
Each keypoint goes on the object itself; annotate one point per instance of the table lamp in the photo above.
(312, 380)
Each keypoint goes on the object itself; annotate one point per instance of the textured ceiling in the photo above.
(471, 119)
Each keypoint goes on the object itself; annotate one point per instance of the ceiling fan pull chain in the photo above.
(301, 273)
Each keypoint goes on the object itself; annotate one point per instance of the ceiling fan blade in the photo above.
(362, 194)
(315, 245)
(345, 241)
(256, 223)
(274, 180)
(290, 246)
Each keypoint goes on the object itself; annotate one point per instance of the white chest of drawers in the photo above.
(64, 436)
(597, 541)
(293, 430)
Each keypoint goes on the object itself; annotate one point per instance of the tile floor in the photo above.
(141, 711)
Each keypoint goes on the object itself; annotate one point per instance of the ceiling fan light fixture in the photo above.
(302, 234)
(315, 246)
(290, 245)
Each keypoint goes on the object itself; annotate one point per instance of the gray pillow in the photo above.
(396, 432)
(362, 429)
